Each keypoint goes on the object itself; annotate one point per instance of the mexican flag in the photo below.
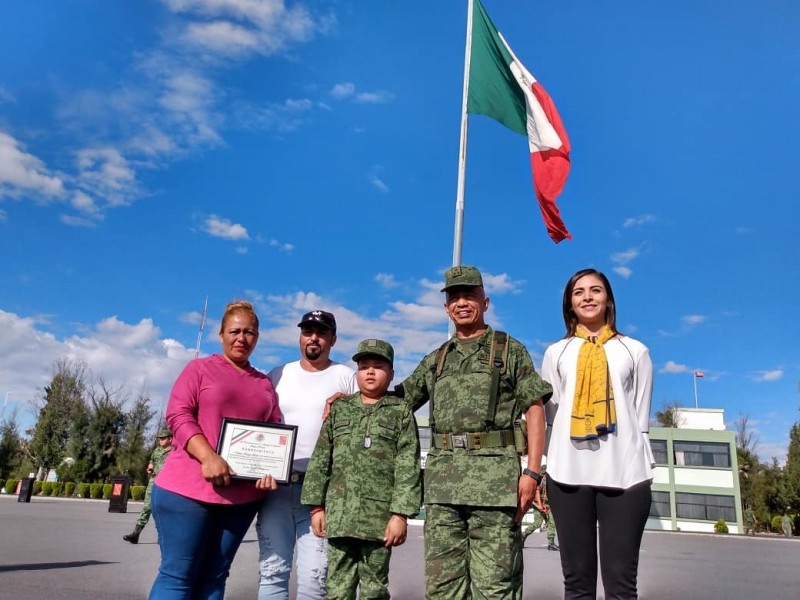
(502, 88)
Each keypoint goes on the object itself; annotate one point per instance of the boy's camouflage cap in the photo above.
(462, 276)
(164, 433)
(375, 348)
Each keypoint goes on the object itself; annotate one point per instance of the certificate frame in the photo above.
(253, 449)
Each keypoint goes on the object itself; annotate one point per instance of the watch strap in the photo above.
(537, 477)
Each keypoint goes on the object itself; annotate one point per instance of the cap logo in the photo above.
(317, 313)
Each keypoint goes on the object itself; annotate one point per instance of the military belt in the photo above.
(473, 441)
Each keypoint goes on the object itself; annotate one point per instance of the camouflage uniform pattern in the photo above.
(157, 459)
(538, 518)
(357, 564)
(361, 487)
(460, 405)
(473, 547)
(364, 468)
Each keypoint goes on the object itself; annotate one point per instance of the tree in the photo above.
(668, 416)
(750, 471)
(102, 432)
(60, 401)
(134, 447)
(10, 447)
(789, 494)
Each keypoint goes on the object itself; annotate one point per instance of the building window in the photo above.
(659, 505)
(705, 507)
(659, 448)
(705, 454)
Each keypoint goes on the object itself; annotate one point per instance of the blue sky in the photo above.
(304, 155)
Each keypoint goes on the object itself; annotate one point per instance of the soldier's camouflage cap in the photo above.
(164, 433)
(462, 276)
(375, 348)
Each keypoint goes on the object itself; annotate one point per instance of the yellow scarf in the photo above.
(593, 411)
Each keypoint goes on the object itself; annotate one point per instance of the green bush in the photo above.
(47, 488)
(58, 488)
(721, 526)
(83, 490)
(106, 491)
(69, 489)
(776, 523)
(37, 488)
(137, 492)
(11, 485)
(95, 491)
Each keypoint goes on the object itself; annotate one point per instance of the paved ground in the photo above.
(72, 549)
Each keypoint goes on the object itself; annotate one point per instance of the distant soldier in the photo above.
(786, 524)
(542, 515)
(750, 521)
(363, 479)
(157, 459)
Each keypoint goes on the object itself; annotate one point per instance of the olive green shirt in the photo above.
(485, 476)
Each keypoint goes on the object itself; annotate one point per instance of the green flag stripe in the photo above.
(493, 91)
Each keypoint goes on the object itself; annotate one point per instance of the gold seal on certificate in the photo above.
(253, 449)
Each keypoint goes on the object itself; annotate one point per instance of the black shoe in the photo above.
(552, 546)
(133, 537)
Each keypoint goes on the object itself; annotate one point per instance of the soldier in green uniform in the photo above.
(750, 521)
(363, 479)
(541, 515)
(157, 459)
(479, 384)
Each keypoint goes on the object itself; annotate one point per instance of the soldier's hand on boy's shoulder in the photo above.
(329, 402)
(319, 523)
(395, 533)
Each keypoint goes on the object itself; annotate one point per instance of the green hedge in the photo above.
(106, 491)
(69, 489)
(95, 491)
(721, 526)
(11, 486)
(47, 488)
(58, 488)
(37, 488)
(137, 492)
(83, 490)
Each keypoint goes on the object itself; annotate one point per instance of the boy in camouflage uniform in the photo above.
(157, 459)
(364, 478)
(475, 491)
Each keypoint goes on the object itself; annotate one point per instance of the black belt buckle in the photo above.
(297, 477)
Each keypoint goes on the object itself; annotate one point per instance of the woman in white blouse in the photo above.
(599, 461)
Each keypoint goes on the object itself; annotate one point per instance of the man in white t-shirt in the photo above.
(283, 523)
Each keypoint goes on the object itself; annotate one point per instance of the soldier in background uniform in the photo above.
(157, 459)
(363, 479)
(542, 514)
(479, 384)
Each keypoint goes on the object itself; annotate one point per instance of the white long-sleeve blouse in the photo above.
(618, 460)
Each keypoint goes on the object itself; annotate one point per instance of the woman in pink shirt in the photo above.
(201, 513)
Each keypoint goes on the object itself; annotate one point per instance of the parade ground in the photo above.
(73, 549)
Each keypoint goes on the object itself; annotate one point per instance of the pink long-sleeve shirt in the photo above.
(208, 390)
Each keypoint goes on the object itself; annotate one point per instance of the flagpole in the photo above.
(200, 331)
(694, 376)
(462, 148)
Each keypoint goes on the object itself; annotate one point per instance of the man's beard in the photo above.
(313, 352)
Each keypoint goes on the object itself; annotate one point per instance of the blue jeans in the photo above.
(283, 523)
(198, 542)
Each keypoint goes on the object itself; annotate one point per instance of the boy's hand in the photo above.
(395, 533)
(329, 402)
(319, 524)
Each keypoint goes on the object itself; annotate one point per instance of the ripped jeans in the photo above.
(283, 523)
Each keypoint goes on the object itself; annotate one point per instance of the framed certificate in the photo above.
(253, 449)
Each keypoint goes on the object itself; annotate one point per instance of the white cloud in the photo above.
(74, 221)
(673, 367)
(105, 172)
(692, 320)
(638, 221)
(374, 97)
(22, 173)
(343, 90)
(500, 284)
(773, 375)
(84, 203)
(379, 184)
(282, 246)
(241, 249)
(3, 216)
(623, 272)
(625, 256)
(6, 96)
(223, 228)
(386, 280)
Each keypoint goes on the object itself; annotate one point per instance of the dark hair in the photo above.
(570, 319)
(238, 307)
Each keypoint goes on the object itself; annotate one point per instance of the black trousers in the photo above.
(619, 516)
